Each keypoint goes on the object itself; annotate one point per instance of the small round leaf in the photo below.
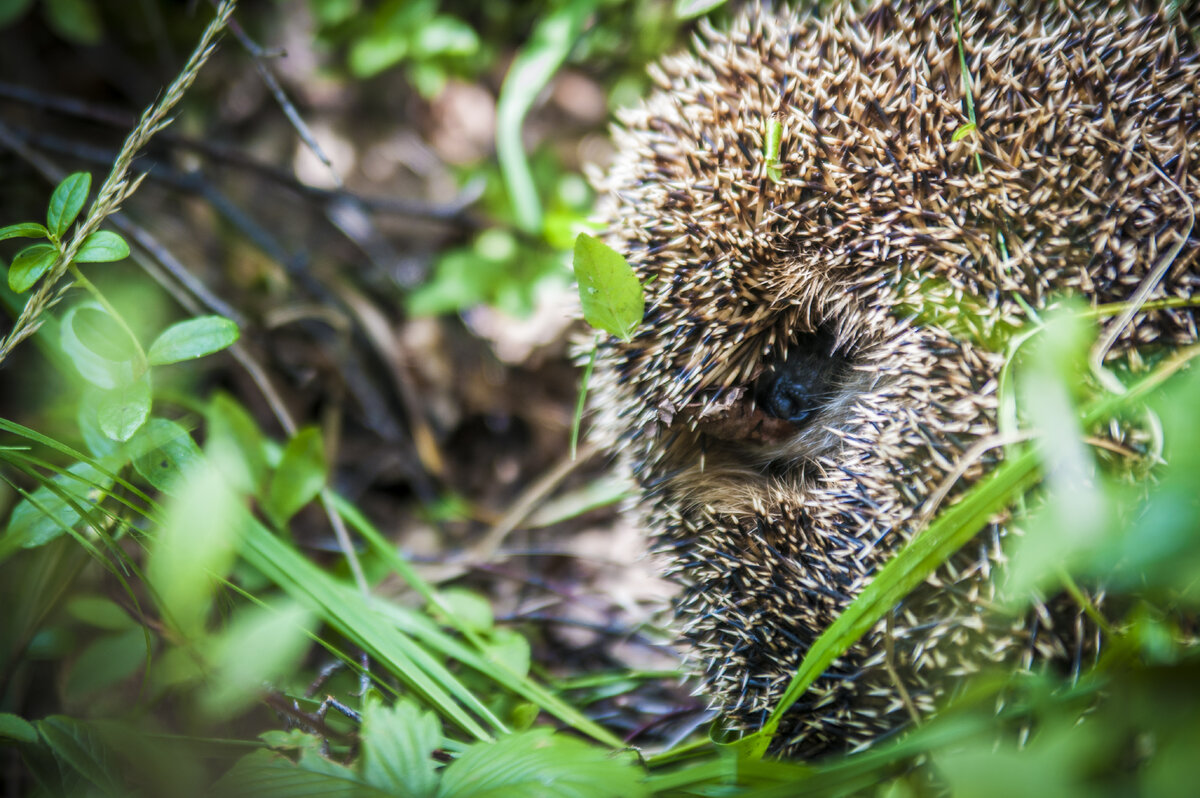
(29, 266)
(608, 289)
(191, 339)
(123, 410)
(102, 246)
(67, 201)
(23, 230)
(89, 359)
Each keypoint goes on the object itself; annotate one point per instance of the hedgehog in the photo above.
(789, 407)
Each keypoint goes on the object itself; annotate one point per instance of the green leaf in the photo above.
(373, 54)
(912, 565)
(67, 201)
(686, 9)
(471, 609)
(608, 288)
(963, 131)
(235, 441)
(100, 612)
(445, 36)
(105, 662)
(98, 444)
(510, 649)
(192, 339)
(299, 477)
(29, 265)
(102, 246)
(123, 410)
(420, 626)
(77, 745)
(74, 20)
(11, 10)
(195, 546)
(47, 513)
(551, 41)
(540, 762)
(398, 745)
(103, 335)
(17, 728)
(24, 230)
(426, 674)
(163, 452)
(261, 645)
(266, 774)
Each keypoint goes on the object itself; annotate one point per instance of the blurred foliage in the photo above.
(164, 626)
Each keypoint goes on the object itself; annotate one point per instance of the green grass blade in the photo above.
(347, 611)
(432, 636)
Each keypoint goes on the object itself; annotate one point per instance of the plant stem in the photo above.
(98, 295)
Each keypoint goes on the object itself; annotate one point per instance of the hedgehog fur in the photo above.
(1088, 135)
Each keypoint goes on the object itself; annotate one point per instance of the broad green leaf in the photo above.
(100, 612)
(23, 230)
(195, 546)
(235, 441)
(97, 325)
(191, 339)
(123, 410)
(266, 774)
(608, 288)
(98, 444)
(686, 9)
(29, 265)
(398, 744)
(371, 55)
(299, 477)
(77, 745)
(102, 246)
(67, 201)
(17, 728)
(261, 646)
(510, 649)
(100, 332)
(445, 36)
(46, 514)
(163, 451)
(540, 762)
(105, 662)
(389, 37)
(471, 609)
(549, 44)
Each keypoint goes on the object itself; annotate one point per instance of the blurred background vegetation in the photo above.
(349, 554)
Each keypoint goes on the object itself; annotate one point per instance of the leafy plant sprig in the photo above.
(98, 340)
(612, 301)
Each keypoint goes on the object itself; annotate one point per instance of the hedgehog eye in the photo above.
(798, 386)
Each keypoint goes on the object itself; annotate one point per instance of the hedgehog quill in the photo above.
(786, 412)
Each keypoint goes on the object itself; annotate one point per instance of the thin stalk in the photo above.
(98, 295)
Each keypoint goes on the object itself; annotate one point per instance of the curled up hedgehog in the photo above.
(788, 417)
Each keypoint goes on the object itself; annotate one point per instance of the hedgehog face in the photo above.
(818, 351)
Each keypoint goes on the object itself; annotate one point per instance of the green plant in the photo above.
(95, 337)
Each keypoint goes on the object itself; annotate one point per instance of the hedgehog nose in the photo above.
(799, 386)
(790, 397)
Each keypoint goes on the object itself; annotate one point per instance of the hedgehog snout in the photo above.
(802, 383)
